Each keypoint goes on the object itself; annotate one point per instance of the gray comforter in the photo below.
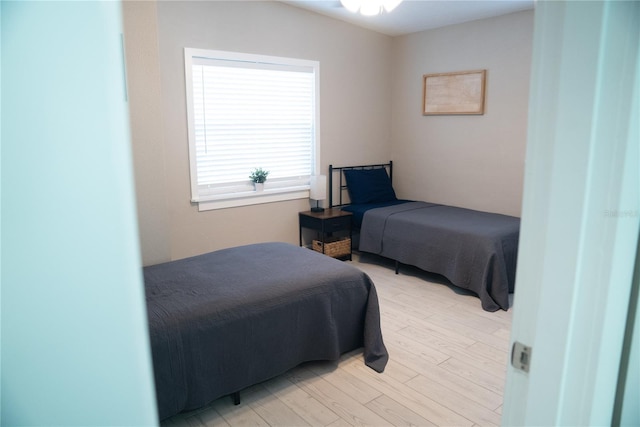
(474, 250)
(229, 319)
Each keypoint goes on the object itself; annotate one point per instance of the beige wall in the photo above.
(145, 98)
(370, 96)
(475, 162)
(355, 99)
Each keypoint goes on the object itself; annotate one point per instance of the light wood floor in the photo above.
(447, 365)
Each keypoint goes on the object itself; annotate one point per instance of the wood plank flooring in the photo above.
(447, 367)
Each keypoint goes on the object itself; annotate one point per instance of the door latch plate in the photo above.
(521, 356)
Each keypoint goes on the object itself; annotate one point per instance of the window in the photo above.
(247, 111)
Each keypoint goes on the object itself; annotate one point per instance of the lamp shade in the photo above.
(318, 190)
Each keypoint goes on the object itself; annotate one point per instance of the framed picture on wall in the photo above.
(453, 93)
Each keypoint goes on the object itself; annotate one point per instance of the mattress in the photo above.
(475, 250)
(226, 320)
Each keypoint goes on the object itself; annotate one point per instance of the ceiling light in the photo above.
(370, 7)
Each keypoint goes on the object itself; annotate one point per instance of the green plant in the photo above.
(258, 175)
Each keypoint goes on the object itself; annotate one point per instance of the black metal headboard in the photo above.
(342, 184)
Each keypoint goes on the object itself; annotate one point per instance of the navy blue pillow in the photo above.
(369, 185)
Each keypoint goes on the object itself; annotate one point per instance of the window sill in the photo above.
(248, 198)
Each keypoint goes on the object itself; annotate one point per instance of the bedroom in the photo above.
(361, 90)
(370, 94)
(179, 244)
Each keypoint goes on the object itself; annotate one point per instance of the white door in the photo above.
(581, 214)
(75, 344)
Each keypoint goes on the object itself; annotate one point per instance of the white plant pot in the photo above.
(259, 186)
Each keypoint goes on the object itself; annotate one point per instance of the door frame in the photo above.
(580, 215)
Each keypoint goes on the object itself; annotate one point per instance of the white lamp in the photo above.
(318, 190)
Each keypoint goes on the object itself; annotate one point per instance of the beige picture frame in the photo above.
(460, 92)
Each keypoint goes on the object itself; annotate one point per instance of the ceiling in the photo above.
(412, 16)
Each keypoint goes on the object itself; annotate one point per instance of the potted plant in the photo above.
(258, 177)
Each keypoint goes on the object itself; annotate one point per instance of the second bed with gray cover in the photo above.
(474, 250)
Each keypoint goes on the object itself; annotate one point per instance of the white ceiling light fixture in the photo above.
(370, 7)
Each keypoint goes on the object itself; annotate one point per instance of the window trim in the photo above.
(245, 198)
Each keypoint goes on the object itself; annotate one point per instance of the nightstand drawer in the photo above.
(337, 224)
(310, 222)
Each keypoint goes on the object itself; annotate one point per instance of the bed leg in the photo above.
(236, 398)
(397, 267)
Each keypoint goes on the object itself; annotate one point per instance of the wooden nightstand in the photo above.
(333, 232)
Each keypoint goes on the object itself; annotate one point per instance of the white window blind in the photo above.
(248, 111)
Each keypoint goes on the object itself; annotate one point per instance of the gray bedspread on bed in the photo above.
(474, 250)
(226, 320)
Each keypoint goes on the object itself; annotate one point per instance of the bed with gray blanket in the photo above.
(474, 250)
(223, 321)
